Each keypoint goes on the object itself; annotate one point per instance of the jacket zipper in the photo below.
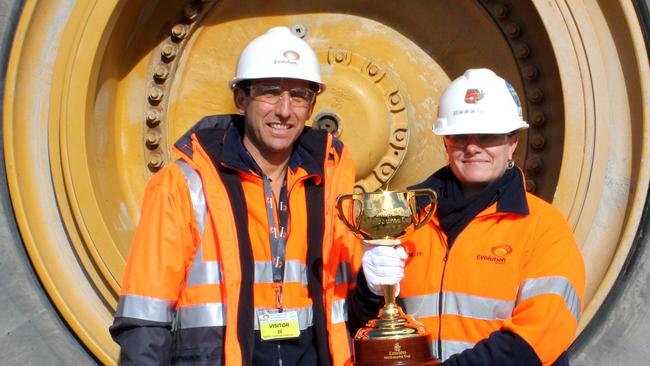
(442, 277)
(289, 189)
(440, 301)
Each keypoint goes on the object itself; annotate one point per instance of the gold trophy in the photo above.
(394, 338)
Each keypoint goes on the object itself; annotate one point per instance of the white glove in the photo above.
(383, 265)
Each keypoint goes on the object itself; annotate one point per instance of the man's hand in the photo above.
(383, 264)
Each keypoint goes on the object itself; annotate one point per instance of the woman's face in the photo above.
(479, 159)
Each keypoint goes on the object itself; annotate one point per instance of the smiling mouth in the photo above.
(279, 126)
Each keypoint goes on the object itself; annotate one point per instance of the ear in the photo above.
(512, 144)
(444, 143)
(241, 99)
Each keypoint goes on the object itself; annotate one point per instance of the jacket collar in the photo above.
(512, 196)
(233, 154)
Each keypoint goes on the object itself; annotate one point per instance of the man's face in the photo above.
(478, 160)
(275, 111)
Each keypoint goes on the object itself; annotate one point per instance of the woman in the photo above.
(496, 277)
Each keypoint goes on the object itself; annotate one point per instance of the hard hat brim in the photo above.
(442, 128)
(233, 83)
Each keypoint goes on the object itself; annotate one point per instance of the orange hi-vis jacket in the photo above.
(199, 268)
(506, 271)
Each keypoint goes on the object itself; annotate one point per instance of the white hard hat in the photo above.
(479, 102)
(278, 54)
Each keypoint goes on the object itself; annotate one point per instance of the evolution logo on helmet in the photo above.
(291, 55)
(290, 58)
(472, 96)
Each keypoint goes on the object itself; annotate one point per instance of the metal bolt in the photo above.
(531, 186)
(534, 164)
(299, 30)
(190, 12)
(386, 169)
(179, 31)
(329, 122)
(395, 99)
(522, 51)
(156, 94)
(152, 140)
(400, 135)
(373, 70)
(536, 95)
(530, 73)
(513, 30)
(537, 142)
(156, 162)
(500, 11)
(538, 118)
(339, 57)
(168, 51)
(161, 72)
(153, 117)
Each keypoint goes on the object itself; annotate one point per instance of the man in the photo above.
(238, 257)
(496, 277)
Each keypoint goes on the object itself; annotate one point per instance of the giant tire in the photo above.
(584, 79)
(32, 332)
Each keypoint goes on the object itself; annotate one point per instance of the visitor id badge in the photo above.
(282, 325)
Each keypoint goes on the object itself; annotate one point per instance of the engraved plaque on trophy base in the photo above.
(409, 351)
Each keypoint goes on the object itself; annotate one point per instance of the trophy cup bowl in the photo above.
(394, 337)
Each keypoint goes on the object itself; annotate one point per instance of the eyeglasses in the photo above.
(271, 94)
(483, 140)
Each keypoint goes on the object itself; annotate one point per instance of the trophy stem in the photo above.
(389, 294)
(390, 309)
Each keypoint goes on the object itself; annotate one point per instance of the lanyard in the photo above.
(278, 240)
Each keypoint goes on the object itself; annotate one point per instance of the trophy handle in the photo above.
(433, 197)
(339, 206)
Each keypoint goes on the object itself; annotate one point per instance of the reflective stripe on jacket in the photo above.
(191, 264)
(505, 271)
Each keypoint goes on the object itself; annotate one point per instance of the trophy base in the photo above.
(413, 350)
